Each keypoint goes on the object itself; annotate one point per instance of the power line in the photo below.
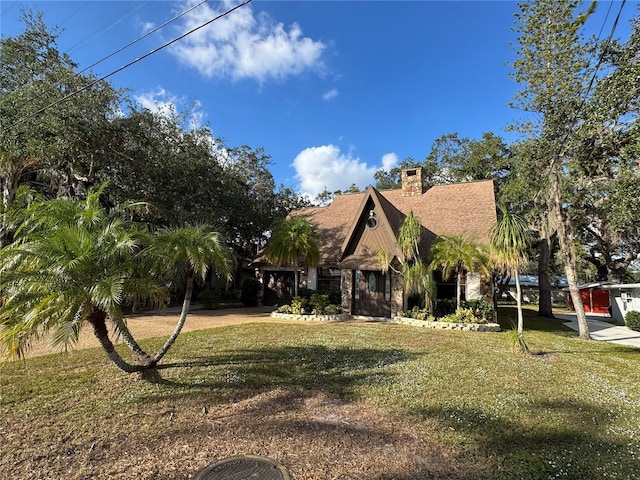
(591, 82)
(150, 32)
(122, 16)
(77, 74)
(91, 84)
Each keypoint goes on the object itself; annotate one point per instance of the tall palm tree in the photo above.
(184, 255)
(455, 254)
(510, 237)
(72, 263)
(294, 241)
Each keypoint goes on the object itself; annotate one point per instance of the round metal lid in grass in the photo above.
(243, 467)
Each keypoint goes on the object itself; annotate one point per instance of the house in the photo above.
(356, 226)
(625, 297)
(595, 298)
(530, 288)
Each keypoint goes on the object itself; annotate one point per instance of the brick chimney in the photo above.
(412, 182)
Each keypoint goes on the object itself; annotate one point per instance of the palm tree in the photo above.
(294, 241)
(72, 262)
(184, 255)
(455, 254)
(416, 276)
(510, 237)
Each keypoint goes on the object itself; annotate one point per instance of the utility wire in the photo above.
(150, 32)
(171, 42)
(126, 13)
(77, 74)
(574, 120)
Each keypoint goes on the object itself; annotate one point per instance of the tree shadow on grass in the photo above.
(549, 439)
(334, 370)
(507, 317)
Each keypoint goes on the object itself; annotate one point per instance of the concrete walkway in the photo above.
(603, 330)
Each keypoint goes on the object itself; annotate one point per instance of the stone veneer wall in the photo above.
(346, 285)
(397, 294)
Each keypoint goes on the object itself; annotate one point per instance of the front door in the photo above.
(372, 293)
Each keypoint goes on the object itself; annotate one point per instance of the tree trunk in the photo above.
(97, 320)
(519, 306)
(494, 297)
(181, 321)
(545, 304)
(458, 287)
(569, 254)
(143, 357)
(296, 280)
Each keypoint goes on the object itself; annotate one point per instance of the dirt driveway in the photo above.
(162, 324)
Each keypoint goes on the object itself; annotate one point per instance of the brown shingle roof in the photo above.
(458, 209)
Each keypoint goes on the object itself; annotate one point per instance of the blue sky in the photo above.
(332, 90)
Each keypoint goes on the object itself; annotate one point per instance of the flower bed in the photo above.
(468, 327)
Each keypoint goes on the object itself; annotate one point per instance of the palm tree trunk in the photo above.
(181, 321)
(97, 319)
(458, 287)
(519, 306)
(296, 280)
(143, 357)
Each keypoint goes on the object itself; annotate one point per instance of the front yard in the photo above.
(333, 401)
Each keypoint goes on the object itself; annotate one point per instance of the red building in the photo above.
(595, 299)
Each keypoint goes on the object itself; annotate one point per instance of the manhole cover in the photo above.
(246, 467)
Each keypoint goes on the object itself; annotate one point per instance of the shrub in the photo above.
(209, 298)
(332, 309)
(415, 300)
(445, 306)
(335, 296)
(305, 292)
(418, 314)
(632, 320)
(284, 309)
(298, 305)
(463, 315)
(480, 308)
(318, 303)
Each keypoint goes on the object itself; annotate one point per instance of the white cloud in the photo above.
(326, 166)
(162, 102)
(244, 45)
(330, 94)
(159, 101)
(389, 160)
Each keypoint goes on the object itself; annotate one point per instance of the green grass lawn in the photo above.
(569, 410)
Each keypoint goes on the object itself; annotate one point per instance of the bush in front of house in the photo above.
(317, 304)
(480, 308)
(472, 311)
(419, 314)
(632, 320)
(464, 315)
(335, 296)
(299, 305)
(445, 306)
(209, 298)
